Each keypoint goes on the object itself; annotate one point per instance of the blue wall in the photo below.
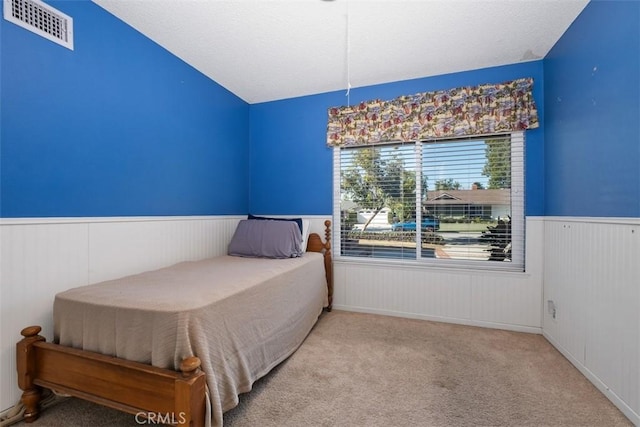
(291, 165)
(592, 111)
(121, 127)
(118, 126)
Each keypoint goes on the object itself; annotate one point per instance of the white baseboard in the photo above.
(466, 322)
(604, 389)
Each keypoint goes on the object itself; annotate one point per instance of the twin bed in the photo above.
(179, 344)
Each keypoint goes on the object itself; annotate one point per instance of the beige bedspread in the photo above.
(240, 316)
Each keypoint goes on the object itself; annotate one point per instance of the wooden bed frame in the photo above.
(160, 395)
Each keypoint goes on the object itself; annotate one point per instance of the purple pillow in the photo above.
(296, 220)
(266, 239)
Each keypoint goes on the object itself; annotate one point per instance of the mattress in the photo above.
(240, 316)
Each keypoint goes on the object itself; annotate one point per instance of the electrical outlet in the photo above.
(551, 308)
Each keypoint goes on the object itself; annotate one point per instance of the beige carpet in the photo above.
(369, 370)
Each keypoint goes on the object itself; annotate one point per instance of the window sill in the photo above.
(442, 266)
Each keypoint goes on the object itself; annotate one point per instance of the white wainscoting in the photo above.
(496, 299)
(592, 275)
(40, 257)
(591, 272)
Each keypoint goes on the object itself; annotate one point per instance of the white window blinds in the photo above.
(450, 202)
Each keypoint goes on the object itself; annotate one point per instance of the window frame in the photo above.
(518, 218)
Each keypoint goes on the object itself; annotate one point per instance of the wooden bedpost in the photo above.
(315, 244)
(26, 366)
(328, 262)
(190, 394)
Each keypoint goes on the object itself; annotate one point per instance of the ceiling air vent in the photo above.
(41, 19)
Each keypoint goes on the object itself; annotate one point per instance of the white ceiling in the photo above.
(265, 50)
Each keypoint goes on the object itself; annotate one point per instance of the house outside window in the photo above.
(451, 203)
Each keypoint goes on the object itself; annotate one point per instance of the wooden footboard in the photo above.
(162, 395)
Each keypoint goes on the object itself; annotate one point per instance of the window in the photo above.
(452, 202)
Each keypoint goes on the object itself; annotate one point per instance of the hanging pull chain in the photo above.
(348, 59)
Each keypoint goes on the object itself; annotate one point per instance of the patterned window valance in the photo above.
(465, 111)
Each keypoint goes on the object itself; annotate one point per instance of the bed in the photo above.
(179, 344)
